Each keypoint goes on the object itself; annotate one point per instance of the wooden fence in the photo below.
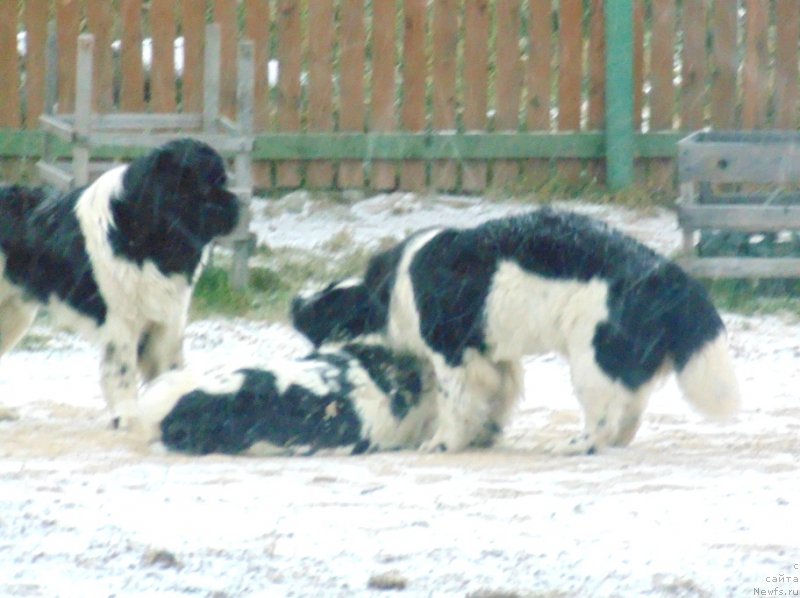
(415, 94)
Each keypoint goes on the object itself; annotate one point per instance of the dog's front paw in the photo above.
(583, 444)
(7, 415)
(124, 422)
(433, 446)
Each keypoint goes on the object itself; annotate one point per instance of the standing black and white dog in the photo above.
(116, 260)
(474, 301)
(358, 397)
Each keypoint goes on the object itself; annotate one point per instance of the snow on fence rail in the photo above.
(387, 94)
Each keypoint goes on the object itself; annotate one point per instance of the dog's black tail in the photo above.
(699, 348)
(16, 204)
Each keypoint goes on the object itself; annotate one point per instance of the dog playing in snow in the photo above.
(116, 260)
(472, 302)
(355, 398)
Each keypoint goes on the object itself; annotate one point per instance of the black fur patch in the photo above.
(45, 249)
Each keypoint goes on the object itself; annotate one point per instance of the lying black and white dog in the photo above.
(116, 260)
(474, 301)
(356, 398)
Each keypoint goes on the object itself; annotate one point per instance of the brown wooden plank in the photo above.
(570, 73)
(724, 65)
(382, 115)
(100, 22)
(162, 69)
(290, 44)
(414, 69)
(787, 24)
(596, 116)
(662, 88)
(67, 28)
(508, 83)
(538, 81)
(193, 20)
(131, 71)
(320, 83)
(257, 24)
(9, 67)
(225, 15)
(352, 43)
(35, 16)
(755, 75)
(694, 68)
(445, 58)
(476, 85)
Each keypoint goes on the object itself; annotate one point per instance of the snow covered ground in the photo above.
(691, 508)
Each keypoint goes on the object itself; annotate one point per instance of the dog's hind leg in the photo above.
(16, 317)
(160, 349)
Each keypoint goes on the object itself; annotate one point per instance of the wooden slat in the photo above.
(662, 90)
(787, 24)
(320, 83)
(638, 63)
(382, 116)
(742, 267)
(597, 82)
(162, 70)
(225, 15)
(35, 16)
(725, 65)
(100, 22)
(742, 162)
(290, 43)
(694, 69)
(475, 81)
(67, 29)
(132, 73)
(445, 55)
(538, 77)
(352, 56)
(740, 218)
(570, 73)
(9, 67)
(414, 69)
(508, 83)
(193, 21)
(257, 25)
(755, 75)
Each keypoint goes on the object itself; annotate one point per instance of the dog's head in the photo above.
(342, 311)
(181, 185)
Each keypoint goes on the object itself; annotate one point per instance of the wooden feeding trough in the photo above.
(86, 131)
(739, 182)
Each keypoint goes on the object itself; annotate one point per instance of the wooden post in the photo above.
(619, 93)
(243, 165)
(83, 109)
(211, 77)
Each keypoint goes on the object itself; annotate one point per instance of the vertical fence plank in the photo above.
(755, 77)
(445, 58)
(787, 23)
(475, 85)
(725, 64)
(508, 83)
(193, 19)
(595, 118)
(257, 24)
(132, 74)
(320, 83)
(67, 28)
(694, 71)
(36, 17)
(382, 116)
(9, 66)
(162, 68)
(412, 115)
(351, 108)
(662, 86)
(290, 43)
(225, 15)
(638, 63)
(539, 74)
(100, 22)
(570, 73)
